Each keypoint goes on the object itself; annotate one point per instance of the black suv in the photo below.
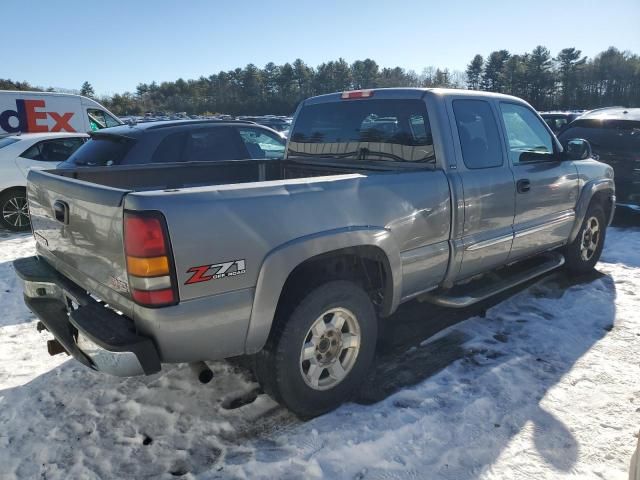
(614, 135)
(178, 141)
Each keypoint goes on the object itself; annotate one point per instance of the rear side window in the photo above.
(606, 135)
(478, 133)
(261, 143)
(214, 144)
(369, 129)
(7, 141)
(101, 150)
(57, 150)
(170, 149)
(203, 145)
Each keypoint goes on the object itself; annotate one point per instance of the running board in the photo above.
(486, 286)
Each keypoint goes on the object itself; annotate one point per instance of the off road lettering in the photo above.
(204, 273)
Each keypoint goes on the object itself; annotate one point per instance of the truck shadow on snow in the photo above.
(402, 361)
(405, 359)
(168, 423)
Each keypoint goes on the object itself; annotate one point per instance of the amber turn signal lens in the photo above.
(148, 267)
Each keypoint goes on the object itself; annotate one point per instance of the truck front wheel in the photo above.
(316, 359)
(583, 253)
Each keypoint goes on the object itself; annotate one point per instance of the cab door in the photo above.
(488, 187)
(546, 186)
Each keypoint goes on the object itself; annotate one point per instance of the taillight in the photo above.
(357, 94)
(146, 245)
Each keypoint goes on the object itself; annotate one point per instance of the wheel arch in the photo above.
(10, 189)
(282, 268)
(600, 190)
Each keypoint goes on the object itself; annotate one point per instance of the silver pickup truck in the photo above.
(384, 195)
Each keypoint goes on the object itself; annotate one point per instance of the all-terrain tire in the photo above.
(583, 253)
(289, 379)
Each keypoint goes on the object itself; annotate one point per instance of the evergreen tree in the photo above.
(540, 77)
(493, 78)
(87, 90)
(569, 62)
(474, 72)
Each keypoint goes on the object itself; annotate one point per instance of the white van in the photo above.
(41, 112)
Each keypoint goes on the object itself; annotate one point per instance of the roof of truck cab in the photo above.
(411, 92)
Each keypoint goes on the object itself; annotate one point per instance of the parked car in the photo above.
(278, 124)
(178, 141)
(40, 112)
(557, 121)
(614, 134)
(19, 153)
(293, 261)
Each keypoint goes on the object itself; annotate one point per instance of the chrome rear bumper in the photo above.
(92, 333)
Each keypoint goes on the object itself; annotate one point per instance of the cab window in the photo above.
(262, 144)
(57, 150)
(528, 138)
(389, 130)
(99, 119)
(478, 133)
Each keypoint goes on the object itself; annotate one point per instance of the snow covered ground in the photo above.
(542, 385)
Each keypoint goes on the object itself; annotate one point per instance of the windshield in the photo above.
(7, 141)
(100, 150)
(392, 130)
(606, 135)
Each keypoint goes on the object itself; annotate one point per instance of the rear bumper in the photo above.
(93, 334)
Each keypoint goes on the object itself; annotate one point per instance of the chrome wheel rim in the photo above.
(15, 211)
(590, 239)
(330, 349)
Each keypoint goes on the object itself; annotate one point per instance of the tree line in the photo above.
(567, 81)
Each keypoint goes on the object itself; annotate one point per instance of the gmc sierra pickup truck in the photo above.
(384, 195)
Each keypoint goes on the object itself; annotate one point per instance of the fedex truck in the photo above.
(41, 112)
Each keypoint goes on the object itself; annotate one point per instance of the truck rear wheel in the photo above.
(316, 359)
(14, 211)
(583, 253)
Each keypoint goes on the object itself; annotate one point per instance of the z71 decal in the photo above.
(204, 273)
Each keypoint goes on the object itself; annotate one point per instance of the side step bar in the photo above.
(461, 296)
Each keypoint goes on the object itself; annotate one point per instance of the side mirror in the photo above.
(577, 149)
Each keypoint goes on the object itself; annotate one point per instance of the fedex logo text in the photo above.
(32, 118)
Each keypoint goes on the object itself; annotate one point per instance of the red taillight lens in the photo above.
(144, 236)
(148, 252)
(154, 298)
(357, 94)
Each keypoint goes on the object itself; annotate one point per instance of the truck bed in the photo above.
(198, 174)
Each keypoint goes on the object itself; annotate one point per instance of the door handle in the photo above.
(61, 212)
(523, 186)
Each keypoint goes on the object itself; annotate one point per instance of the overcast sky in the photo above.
(117, 44)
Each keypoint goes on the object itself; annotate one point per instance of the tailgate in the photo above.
(78, 228)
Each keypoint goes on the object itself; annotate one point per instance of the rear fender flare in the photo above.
(281, 261)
